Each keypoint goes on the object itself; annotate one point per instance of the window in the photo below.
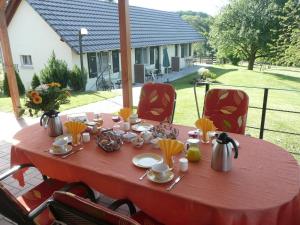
(190, 49)
(184, 50)
(152, 55)
(176, 50)
(26, 60)
(141, 56)
(115, 59)
(92, 64)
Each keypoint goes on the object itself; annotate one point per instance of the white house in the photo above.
(39, 27)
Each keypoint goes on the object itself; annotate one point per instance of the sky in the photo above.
(210, 7)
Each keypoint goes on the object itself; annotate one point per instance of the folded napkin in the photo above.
(170, 148)
(125, 113)
(205, 125)
(75, 128)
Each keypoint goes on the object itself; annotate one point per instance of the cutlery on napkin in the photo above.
(205, 125)
(125, 113)
(169, 148)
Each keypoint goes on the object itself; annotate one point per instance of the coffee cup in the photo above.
(133, 118)
(160, 170)
(125, 126)
(60, 145)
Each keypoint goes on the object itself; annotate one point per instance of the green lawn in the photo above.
(77, 99)
(284, 78)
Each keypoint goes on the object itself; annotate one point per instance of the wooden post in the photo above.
(125, 47)
(8, 62)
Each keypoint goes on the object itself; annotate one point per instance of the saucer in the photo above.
(69, 149)
(168, 178)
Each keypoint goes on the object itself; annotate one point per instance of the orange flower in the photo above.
(33, 94)
(54, 84)
(57, 84)
(37, 99)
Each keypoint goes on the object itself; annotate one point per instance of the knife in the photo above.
(71, 153)
(175, 182)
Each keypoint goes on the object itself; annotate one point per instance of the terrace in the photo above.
(253, 188)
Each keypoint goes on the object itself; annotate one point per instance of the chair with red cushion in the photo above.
(157, 102)
(20, 209)
(227, 108)
(72, 209)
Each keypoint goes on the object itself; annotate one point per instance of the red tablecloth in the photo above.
(262, 188)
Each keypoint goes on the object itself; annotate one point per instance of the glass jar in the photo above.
(192, 151)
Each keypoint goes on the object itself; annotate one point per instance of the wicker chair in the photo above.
(68, 208)
(21, 210)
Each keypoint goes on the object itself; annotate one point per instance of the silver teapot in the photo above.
(222, 153)
(52, 122)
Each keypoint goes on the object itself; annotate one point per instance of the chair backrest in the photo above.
(227, 108)
(157, 102)
(11, 208)
(72, 209)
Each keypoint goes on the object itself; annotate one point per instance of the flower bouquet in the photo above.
(46, 98)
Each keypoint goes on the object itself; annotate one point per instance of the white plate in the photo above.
(66, 137)
(140, 127)
(69, 149)
(146, 160)
(168, 178)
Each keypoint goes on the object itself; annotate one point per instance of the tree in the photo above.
(55, 71)
(35, 82)
(20, 84)
(77, 80)
(244, 28)
(201, 22)
(287, 46)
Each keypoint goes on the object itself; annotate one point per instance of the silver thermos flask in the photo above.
(221, 159)
(53, 123)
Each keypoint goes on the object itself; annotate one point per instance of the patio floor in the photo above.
(10, 125)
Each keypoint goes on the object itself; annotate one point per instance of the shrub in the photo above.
(206, 74)
(19, 83)
(55, 71)
(35, 81)
(77, 81)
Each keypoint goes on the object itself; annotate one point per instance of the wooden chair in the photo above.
(227, 108)
(157, 102)
(21, 209)
(68, 208)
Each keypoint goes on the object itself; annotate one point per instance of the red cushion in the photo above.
(227, 109)
(157, 102)
(94, 210)
(33, 198)
(144, 219)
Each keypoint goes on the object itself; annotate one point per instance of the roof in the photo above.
(148, 27)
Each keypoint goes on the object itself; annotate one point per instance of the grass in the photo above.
(77, 99)
(276, 77)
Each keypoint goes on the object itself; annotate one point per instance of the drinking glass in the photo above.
(116, 120)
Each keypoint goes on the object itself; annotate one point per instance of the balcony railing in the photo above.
(264, 109)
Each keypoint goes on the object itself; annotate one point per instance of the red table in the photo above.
(262, 188)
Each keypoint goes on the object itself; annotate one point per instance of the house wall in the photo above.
(29, 34)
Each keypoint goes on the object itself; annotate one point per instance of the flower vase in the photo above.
(54, 125)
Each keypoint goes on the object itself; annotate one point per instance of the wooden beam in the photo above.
(8, 62)
(125, 46)
(10, 10)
